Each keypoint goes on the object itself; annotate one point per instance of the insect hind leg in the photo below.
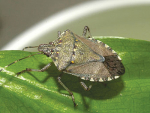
(85, 87)
(38, 70)
(86, 28)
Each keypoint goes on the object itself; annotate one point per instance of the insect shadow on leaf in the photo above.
(84, 57)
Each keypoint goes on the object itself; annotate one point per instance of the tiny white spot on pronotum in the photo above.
(90, 38)
(109, 79)
(91, 79)
(119, 58)
(100, 80)
(83, 78)
(116, 77)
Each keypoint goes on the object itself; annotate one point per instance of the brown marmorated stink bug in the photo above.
(81, 56)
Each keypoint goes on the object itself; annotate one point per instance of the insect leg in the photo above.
(59, 80)
(85, 86)
(19, 60)
(29, 47)
(86, 28)
(40, 70)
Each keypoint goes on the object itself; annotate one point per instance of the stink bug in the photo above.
(81, 56)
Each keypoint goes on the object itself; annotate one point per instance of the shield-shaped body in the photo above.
(87, 58)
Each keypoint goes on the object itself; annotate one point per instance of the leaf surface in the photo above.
(37, 92)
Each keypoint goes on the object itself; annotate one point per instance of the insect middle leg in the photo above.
(39, 70)
(59, 80)
(86, 28)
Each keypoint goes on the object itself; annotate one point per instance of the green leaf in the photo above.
(40, 92)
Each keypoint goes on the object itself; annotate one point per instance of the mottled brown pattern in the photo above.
(96, 70)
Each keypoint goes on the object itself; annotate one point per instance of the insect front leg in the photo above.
(59, 80)
(86, 28)
(40, 70)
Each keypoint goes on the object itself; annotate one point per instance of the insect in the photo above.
(81, 56)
